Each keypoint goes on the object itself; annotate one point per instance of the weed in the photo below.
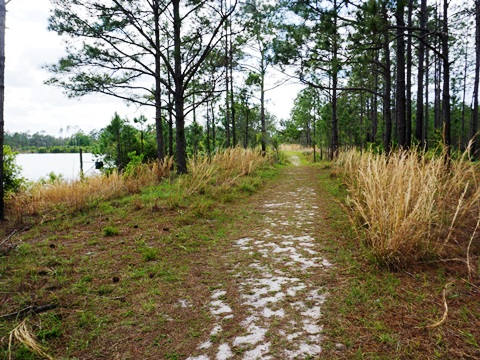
(51, 327)
(149, 253)
(110, 231)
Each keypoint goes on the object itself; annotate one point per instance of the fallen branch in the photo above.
(8, 237)
(29, 310)
(469, 267)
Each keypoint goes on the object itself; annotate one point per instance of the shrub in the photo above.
(12, 180)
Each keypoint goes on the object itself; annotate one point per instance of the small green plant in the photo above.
(110, 231)
(12, 180)
(52, 178)
(149, 253)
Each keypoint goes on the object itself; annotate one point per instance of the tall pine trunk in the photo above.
(408, 102)
(387, 111)
(419, 118)
(335, 69)
(232, 99)
(400, 85)
(227, 87)
(446, 120)
(2, 103)
(179, 91)
(158, 89)
(262, 105)
(170, 110)
(474, 124)
(427, 105)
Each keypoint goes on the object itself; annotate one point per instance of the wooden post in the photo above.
(81, 164)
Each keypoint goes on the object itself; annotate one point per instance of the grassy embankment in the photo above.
(113, 256)
(406, 283)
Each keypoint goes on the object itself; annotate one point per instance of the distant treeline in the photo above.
(40, 142)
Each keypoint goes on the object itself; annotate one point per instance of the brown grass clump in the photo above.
(79, 194)
(21, 334)
(412, 208)
(221, 170)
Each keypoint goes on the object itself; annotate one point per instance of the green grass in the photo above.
(110, 231)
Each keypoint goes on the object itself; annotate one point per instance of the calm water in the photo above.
(36, 166)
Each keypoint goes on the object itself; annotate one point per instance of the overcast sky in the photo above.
(32, 106)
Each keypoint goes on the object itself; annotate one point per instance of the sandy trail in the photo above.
(277, 288)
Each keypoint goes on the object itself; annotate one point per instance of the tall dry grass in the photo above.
(206, 175)
(45, 199)
(221, 170)
(410, 207)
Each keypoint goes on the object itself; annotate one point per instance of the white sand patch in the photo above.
(256, 334)
(184, 303)
(224, 352)
(304, 349)
(280, 249)
(274, 205)
(267, 233)
(248, 321)
(269, 313)
(313, 312)
(293, 336)
(216, 330)
(243, 241)
(298, 305)
(311, 328)
(258, 352)
(218, 293)
(295, 160)
(316, 296)
(206, 345)
(293, 290)
(262, 302)
(201, 357)
(304, 262)
(326, 263)
(219, 307)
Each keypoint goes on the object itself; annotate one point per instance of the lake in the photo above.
(37, 166)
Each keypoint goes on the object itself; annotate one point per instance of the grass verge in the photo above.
(373, 312)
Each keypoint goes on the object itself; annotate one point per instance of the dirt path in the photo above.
(271, 307)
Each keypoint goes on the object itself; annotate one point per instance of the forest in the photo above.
(376, 73)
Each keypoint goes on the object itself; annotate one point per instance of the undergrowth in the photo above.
(410, 208)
